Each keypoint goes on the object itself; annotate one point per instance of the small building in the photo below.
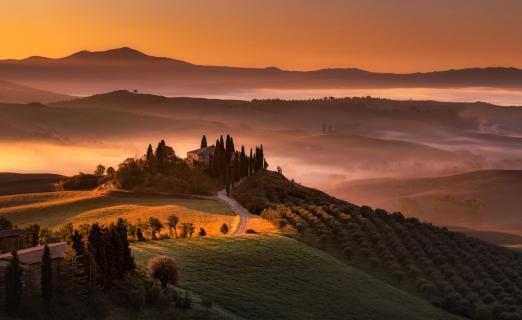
(31, 264)
(13, 239)
(201, 156)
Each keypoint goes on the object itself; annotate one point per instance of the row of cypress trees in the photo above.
(103, 259)
(158, 161)
(230, 165)
(13, 281)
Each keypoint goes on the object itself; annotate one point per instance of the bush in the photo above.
(251, 231)
(81, 181)
(164, 269)
(202, 232)
(224, 229)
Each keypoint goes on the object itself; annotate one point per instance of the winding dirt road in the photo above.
(236, 208)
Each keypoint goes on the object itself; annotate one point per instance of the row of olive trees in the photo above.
(460, 274)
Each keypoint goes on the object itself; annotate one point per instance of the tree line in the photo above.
(231, 165)
(98, 264)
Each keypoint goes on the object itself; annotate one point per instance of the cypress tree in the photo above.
(161, 156)
(250, 163)
(243, 163)
(13, 284)
(127, 261)
(74, 278)
(77, 243)
(94, 250)
(47, 276)
(203, 142)
(149, 160)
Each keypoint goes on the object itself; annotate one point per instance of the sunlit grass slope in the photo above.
(273, 277)
(57, 208)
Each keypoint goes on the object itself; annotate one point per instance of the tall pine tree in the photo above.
(13, 284)
(47, 276)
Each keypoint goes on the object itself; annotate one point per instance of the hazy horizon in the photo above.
(371, 35)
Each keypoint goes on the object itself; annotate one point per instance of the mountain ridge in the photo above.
(131, 53)
(91, 72)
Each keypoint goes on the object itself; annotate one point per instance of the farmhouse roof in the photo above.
(34, 255)
(207, 150)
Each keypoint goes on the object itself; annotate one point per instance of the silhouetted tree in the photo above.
(203, 142)
(110, 171)
(77, 243)
(155, 226)
(172, 222)
(47, 276)
(100, 170)
(34, 230)
(139, 234)
(150, 160)
(202, 232)
(224, 229)
(187, 229)
(5, 224)
(13, 284)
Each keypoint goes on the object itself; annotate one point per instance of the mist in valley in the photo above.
(330, 144)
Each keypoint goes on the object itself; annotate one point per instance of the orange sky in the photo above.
(385, 35)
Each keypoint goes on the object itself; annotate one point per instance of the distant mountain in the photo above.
(88, 72)
(14, 93)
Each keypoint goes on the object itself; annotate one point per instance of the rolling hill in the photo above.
(88, 72)
(14, 93)
(15, 183)
(481, 200)
(463, 275)
(54, 209)
(273, 277)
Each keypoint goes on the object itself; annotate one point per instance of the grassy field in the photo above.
(53, 209)
(274, 277)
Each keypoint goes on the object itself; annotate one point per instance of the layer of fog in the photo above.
(500, 97)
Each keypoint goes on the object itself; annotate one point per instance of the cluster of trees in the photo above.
(230, 165)
(97, 266)
(85, 181)
(463, 275)
(162, 170)
(267, 188)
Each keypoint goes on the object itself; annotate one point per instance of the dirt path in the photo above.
(237, 208)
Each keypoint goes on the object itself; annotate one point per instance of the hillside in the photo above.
(14, 93)
(88, 72)
(273, 277)
(483, 200)
(15, 183)
(54, 209)
(461, 274)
